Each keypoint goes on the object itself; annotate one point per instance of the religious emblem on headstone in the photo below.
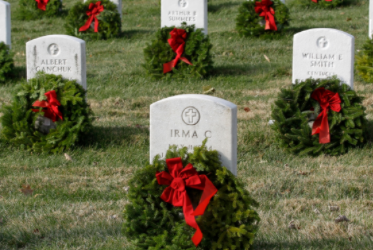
(53, 49)
(322, 42)
(190, 116)
(183, 3)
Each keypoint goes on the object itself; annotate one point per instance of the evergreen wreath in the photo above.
(18, 120)
(294, 109)
(109, 21)
(249, 23)
(364, 61)
(28, 9)
(318, 3)
(6, 62)
(229, 222)
(197, 51)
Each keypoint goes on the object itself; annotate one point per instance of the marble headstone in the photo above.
(322, 53)
(5, 23)
(370, 18)
(118, 3)
(186, 120)
(175, 12)
(57, 54)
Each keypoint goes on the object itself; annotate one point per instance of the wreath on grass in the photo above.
(364, 61)
(178, 52)
(6, 62)
(319, 116)
(47, 114)
(228, 222)
(93, 20)
(36, 9)
(262, 18)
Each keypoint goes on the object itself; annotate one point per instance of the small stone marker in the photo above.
(118, 3)
(370, 18)
(175, 12)
(57, 54)
(5, 23)
(322, 53)
(186, 120)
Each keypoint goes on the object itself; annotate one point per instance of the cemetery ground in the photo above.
(78, 204)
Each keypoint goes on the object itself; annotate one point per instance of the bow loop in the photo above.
(51, 110)
(327, 100)
(265, 10)
(175, 193)
(94, 9)
(177, 43)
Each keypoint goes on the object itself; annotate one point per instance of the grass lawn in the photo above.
(79, 204)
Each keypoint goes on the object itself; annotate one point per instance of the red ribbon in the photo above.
(177, 180)
(177, 43)
(327, 100)
(42, 4)
(315, 1)
(263, 9)
(51, 106)
(94, 10)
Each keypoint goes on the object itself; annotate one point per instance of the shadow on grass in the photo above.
(104, 137)
(235, 70)
(19, 73)
(216, 7)
(132, 34)
(369, 132)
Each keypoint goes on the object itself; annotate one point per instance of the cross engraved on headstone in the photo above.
(322, 42)
(53, 49)
(190, 114)
(182, 3)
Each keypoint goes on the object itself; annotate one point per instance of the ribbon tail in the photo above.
(324, 136)
(96, 24)
(190, 220)
(208, 192)
(270, 22)
(184, 59)
(315, 1)
(167, 67)
(87, 24)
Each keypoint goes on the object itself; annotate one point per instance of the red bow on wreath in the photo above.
(265, 10)
(177, 43)
(94, 10)
(42, 4)
(327, 100)
(177, 180)
(315, 1)
(51, 106)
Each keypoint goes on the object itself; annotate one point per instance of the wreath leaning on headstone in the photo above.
(319, 116)
(364, 61)
(47, 114)
(318, 3)
(164, 198)
(262, 18)
(93, 20)
(36, 9)
(6, 62)
(182, 52)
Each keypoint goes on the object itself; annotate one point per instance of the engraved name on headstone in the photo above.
(57, 54)
(322, 53)
(5, 27)
(175, 12)
(186, 120)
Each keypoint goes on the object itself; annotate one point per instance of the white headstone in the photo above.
(175, 12)
(118, 3)
(57, 54)
(5, 23)
(186, 120)
(370, 18)
(322, 53)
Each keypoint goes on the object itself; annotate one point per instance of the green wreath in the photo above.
(294, 111)
(19, 121)
(249, 23)
(28, 9)
(197, 51)
(109, 21)
(6, 62)
(318, 4)
(229, 222)
(364, 61)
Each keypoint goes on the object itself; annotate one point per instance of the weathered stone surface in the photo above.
(5, 24)
(186, 120)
